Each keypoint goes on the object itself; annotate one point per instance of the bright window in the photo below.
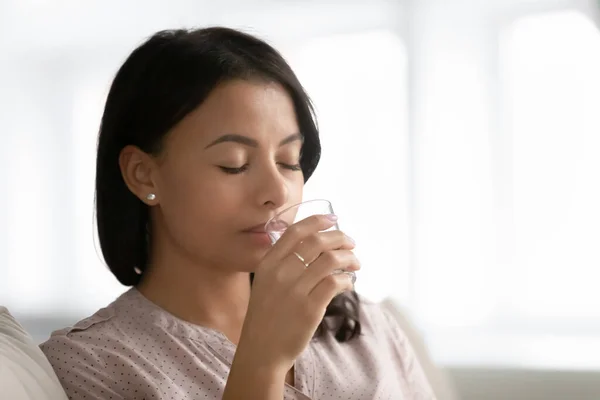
(552, 65)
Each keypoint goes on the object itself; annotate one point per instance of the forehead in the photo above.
(263, 111)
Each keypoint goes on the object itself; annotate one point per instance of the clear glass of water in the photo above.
(277, 225)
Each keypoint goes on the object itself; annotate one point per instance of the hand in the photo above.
(288, 299)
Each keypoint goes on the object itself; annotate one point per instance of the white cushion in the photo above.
(25, 373)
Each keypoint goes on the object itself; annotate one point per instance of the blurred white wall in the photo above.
(505, 132)
(460, 150)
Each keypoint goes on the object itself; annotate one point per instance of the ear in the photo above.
(137, 168)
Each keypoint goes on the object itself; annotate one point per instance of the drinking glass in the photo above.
(277, 225)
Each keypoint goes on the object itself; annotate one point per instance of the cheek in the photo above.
(296, 191)
(197, 197)
(194, 207)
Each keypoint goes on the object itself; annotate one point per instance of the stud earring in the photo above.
(150, 196)
(137, 270)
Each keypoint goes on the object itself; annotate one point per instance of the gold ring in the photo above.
(302, 260)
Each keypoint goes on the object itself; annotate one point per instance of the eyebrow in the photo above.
(246, 141)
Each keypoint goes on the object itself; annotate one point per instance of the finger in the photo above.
(297, 232)
(327, 264)
(328, 288)
(313, 245)
(290, 269)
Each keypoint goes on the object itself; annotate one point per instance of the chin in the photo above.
(249, 262)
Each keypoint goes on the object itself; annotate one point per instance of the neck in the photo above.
(210, 297)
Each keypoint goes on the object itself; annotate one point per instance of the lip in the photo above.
(259, 228)
(258, 236)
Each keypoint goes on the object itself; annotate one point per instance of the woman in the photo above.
(207, 134)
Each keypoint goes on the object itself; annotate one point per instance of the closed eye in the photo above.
(243, 168)
(234, 170)
(292, 167)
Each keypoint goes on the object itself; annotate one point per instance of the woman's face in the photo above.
(226, 169)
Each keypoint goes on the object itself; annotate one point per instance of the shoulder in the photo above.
(380, 327)
(376, 318)
(87, 335)
(77, 354)
(113, 324)
(92, 358)
(389, 323)
(91, 333)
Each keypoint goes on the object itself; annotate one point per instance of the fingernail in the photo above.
(352, 277)
(351, 240)
(332, 217)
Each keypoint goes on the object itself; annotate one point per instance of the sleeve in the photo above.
(82, 372)
(93, 365)
(417, 385)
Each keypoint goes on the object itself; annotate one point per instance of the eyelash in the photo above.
(243, 168)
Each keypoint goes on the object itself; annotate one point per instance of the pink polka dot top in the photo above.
(133, 349)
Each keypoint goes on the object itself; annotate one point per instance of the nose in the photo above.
(273, 190)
